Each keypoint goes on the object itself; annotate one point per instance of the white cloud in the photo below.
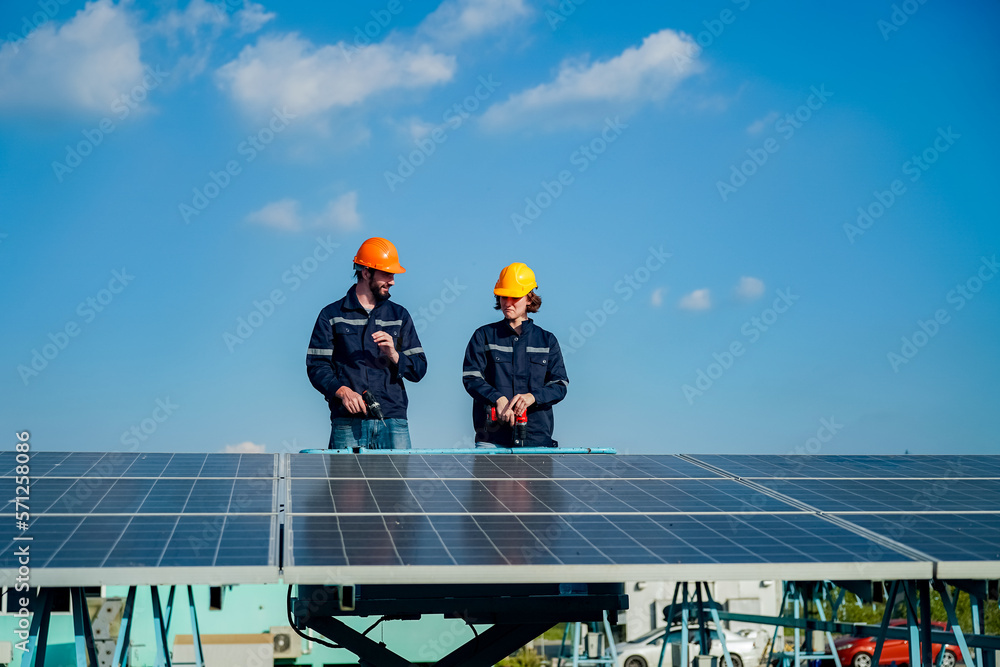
(750, 288)
(342, 213)
(198, 13)
(761, 124)
(244, 448)
(290, 71)
(639, 74)
(282, 214)
(700, 299)
(418, 129)
(457, 20)
(252, 17)
(656, 298)
(82, 65)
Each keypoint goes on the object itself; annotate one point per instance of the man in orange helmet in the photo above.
(514, 366)
(364, 346)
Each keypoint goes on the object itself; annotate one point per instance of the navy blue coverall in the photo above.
(501, 362)
(342, 352)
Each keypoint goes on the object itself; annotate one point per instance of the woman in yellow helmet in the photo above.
(514, 366)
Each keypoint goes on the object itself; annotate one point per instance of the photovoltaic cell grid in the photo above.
(605, 509)
(110, 517)
(855, 467)
(199, 513)
(449, 466)
(552, 539)
(130, 464)
(531, 496)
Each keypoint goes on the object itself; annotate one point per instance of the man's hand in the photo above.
(352, 400)
(501, 406)
(518, 404)
(386, 345)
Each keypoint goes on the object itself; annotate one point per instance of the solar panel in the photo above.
(967, 545)
(126, 518)
(530, 548)
(123, 543)
(123, 518)
(836, 467)
(447, 466)
(885, 495)
(446, 518)
(130, 464)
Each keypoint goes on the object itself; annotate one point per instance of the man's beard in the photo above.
(377, 292)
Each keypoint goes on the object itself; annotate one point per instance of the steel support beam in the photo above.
(83, 632)
(685, 658)
(484, 650)
(368, 650)
(668, 617)
(890, 604)
(829, 636)
(38, 633)
(199, 658)
(125, 630)
(159, 629)
(170, 608)
(949, 608)
(926, 650)
(492, 645)
(718, 627)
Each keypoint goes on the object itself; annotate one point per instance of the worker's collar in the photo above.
(352, 302)
(525, 325)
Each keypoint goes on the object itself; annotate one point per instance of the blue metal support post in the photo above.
(684, 626)
(38, 634)
(774, 637)
(926, 651)
(890, 604)
(911, 623)
(199, 658)
(669, 618)
(718, 626)
(827, 588)
(160, 630)
(125, 631)
(82, 630)
(949, 608)
(170, 608)
(796, 605)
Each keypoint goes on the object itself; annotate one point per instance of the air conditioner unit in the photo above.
(287, 644)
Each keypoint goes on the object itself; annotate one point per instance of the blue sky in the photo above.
(757, 227)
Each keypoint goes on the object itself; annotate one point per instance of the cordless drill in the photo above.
(520, 426)
(374, 407)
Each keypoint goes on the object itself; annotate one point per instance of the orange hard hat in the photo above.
(379, 253)
(515, 281)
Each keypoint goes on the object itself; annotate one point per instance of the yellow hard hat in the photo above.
(515, 281)
(379, 253)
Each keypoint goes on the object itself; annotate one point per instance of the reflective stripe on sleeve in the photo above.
(413, 350)
(320, 352)
(565, 383)
(472, 374)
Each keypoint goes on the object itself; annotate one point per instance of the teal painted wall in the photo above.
(248, 609)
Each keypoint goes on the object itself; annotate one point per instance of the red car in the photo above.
(858, 651)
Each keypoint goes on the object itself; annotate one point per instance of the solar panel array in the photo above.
(467, 518)
(126, 518)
